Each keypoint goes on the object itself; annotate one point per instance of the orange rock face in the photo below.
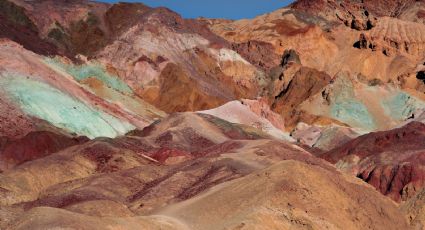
(305, 83)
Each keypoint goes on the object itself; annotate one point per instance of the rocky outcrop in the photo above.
(388, 160)
(290, 56)
(392, 36)
(322, 138)
(353, 14)
(304, 83)
(16, 26)
(365, 105)
(178, 93)
(73, 27)
(260, 54)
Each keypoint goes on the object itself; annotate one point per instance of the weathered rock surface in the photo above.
(18, 27)
(324, 138)
(294, 91)
(392, 36)
(391, 161)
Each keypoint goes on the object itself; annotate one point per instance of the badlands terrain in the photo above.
(123, 116)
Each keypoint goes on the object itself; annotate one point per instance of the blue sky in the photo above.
(230, 9)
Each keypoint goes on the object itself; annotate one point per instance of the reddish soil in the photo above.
(35, 145)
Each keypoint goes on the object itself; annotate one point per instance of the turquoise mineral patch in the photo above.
(43, 101)
(82, 72)
(401, 105)
(352, 112)
(347, 108)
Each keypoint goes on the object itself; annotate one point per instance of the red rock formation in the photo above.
(392, 161)
(353, 14)
(33, 146)
(74, 27)
(16, 26)
(260, 54)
